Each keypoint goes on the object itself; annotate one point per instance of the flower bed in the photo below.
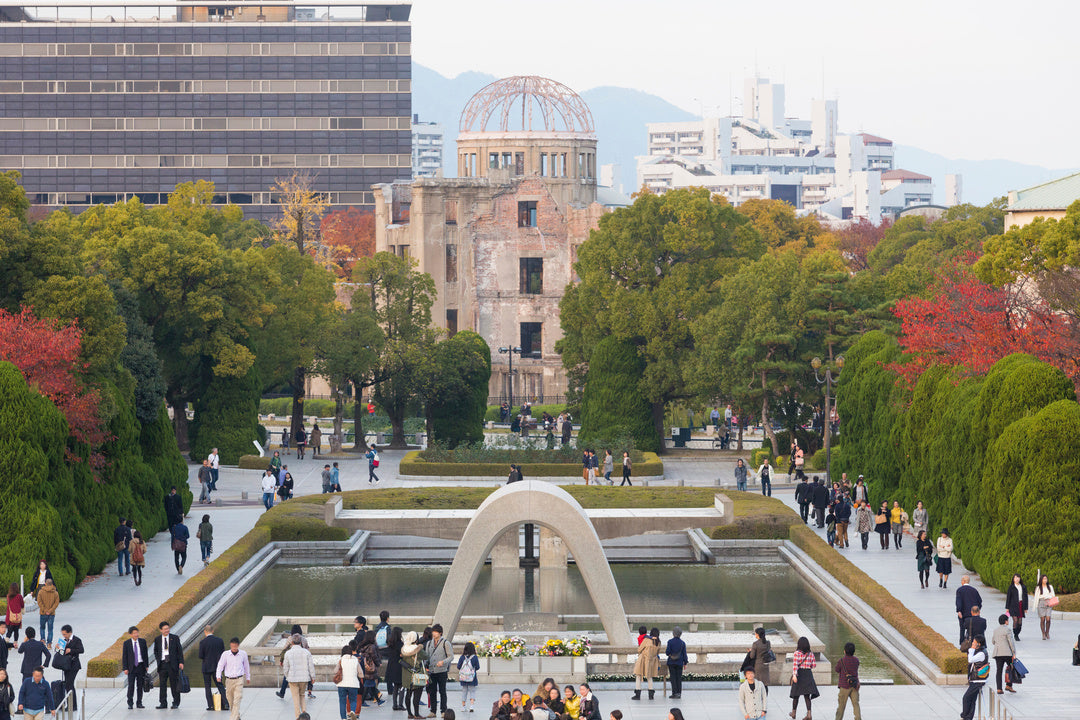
(509, 647)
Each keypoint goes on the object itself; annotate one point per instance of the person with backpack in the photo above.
(370, 662)
(766, 481)
(978, 672)
(382, 634)
(372, 456)
(468, 665)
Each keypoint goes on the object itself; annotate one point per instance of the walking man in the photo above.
(34, 654)
(327, 478)
(372, 456)
(174, 507)
(169, 654)
(978, 672)
(211, 648)
(440, 653)
(843, 518)
(740, 475)
(134, 660)
(766, 481)
(269, 486)
(206, 480)
(215, 465)
(236, 669)
(35, 696)
(803, 496)
(72, 648)
(48, 600)
(121, 537)
(821, 500)
(299, 669)
(847, 668)
(967, 598)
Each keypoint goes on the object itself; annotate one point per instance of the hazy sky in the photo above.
(972, 80)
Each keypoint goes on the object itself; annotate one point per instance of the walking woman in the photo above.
(758, 651)
(1045, 600)
(897, 517)
(924, 556)
(205, 534)
(626, 467)
(412, 670)
(740, 475)
(864, 522)
(43, 573)
(468, 666)
(920, 519)
(944, 558)
(881, 525)
(14, 616)
(137, 546)
(647, 663)
(609, 467)
(802, 677)
(1003, 650)
(1016, 602)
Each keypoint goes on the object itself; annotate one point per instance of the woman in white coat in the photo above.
(1044, 604)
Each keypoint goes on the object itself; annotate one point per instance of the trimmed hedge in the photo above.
(413, 464)
(757, 517)
(291, 521)
(253, 462)
(759, 456)
(940, 651)
(107, 664)
(993, 457)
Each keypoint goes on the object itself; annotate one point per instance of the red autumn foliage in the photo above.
(972, 324)
(348, 235)
(48, 356)
(858, 240)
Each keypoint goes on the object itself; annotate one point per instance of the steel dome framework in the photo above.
(542, 104)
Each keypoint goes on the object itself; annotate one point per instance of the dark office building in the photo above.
(107, 102)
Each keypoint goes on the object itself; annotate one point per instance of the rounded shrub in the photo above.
(612, 404)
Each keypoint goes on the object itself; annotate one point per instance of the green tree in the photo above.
(348, 355)
(647, 272)
(227, 417)
(612, 405)
(399, 298)
(457, 389)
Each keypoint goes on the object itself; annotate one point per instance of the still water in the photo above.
(645, 588)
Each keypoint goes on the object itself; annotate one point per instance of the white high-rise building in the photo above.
(763, 154)
(427, 148)
(954, 189)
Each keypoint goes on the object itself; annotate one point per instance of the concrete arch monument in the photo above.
(547, 505)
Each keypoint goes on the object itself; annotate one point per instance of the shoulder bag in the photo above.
(179, 545)
(419, 676)
(339, 674)
(768, 656)
(966, 645)
(185, 684)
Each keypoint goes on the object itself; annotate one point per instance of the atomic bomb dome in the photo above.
(526, 103)
(530, 126)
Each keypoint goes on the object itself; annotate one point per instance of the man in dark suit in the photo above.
(170, 661)
(174, 507)
(803, 496)
(73, 648)
(34, 653)
(134, 662)
(967, 597)
(210, 649)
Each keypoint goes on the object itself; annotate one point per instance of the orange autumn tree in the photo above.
(347, 236)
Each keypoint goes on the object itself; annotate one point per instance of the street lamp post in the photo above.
(838, 364)
(511, 351)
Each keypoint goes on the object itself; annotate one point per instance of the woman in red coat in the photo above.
(14, 612)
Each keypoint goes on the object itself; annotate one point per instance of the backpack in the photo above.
(466, 673)
(381, 635)
(375, 460)
(137, 552)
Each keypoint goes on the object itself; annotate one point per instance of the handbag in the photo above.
(1019, 668)
(879, 519)
(147, 683)
(179, 545)
(966, 645)
(1052, 602)
(339, 674)
(61, 662)
(1076, 656)
(768, 656)
(119, 546)
(185, 684)
(15, 618)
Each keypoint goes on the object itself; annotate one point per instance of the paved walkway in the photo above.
(1050, 690)
(906, 702)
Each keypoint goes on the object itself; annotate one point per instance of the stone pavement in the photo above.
(718, 702)
(1050, 690)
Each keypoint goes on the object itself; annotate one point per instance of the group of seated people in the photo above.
(547, 703)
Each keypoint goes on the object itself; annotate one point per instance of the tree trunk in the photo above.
(338, 439)
(297, 420)
(180, 422)
(397, 428)
(765, 424)
(359, 439)
(658, 423)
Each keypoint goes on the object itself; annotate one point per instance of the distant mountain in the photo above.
(983, 180)
(621, 114)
